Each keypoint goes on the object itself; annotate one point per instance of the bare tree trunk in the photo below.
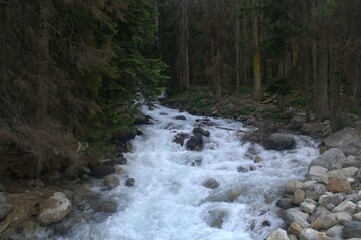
(257, 70)
(323, 110)
(237, 38)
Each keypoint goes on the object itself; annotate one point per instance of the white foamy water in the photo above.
(168, 201)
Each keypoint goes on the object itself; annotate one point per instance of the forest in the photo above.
(71, 70)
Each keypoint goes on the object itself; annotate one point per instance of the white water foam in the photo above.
(168, 201)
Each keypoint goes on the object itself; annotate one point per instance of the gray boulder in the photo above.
(279, 142)
(278, 234)
(195, 143)
(331, 159)
(295, 215)
(55, 209)
(352, 230)
(348, 140)
(201, 131)
(111, 181)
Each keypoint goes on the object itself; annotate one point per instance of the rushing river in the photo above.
(168, 201)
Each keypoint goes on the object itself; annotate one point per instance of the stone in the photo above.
(352, 229)
(106, 206)
(315, 191)
(295, 215)
(279, 142)
(351, 161)
(348, 140)
(285, 203)
(111, 181)
(180, 137)
(215, 217)
(331, 159)
(335, 232)
(311, 234)
(118, 170)
(257, 159)
(101, 171)
(278, 234)
(307, 207)
(320, 212)
(130, 182)
(223, 195)
(339, 185)
(5, 207)
(123, 135)
(346, 206)
(55, 209)
(334, 219)
(180, 117)
(198, 130)
(141, 118)
(357, 216)
(298, 196)
(195, 143)
(292, 186)
(341, 173)
(334, 199)
(210, 183)
(315, 172)
(295, 229)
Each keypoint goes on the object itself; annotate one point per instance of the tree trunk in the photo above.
(323, 110)
(257, 70)
(237, 38)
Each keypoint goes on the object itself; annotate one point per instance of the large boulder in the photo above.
(348, 140)
(201, 131)
(279, 142)
(141, 118)
(331, 159)
(5, 207)
(295, 215)
(102, 171)
(55, 209)
(111, 181)
(195, 143)
(123, 135)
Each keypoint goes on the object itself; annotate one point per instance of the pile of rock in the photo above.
(327, 204)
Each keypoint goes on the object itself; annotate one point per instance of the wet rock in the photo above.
(352, 230)
(201, 131)
(295, 229)
(55, 209)
(315, 191)
(210, 183)
(339, 185)
(118, 170)
(242, 169)
(111, 181)
(285, 203)
(298, 196)
(347, 140)
(223, 195)
(278, 234)
(279, 142)
(295, 215)
(180, 117)
(101, 171)
(66, 226)
(141, 118)
(216, 217)
(311, 234)
(331, 159)
(5, 208)
(257, 159)
(180, 138)
(106, 206)
(130, 182)
(292, 186)
(123, 135)
(195, 143)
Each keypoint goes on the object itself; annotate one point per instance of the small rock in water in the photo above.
(130, 182)
(195, 143)
(101, 171)
(201, 131)
(180, 117)
(210, 183)
(279, 142)
(106, 206)
(285, 203)
(216, 217)
(111, 181)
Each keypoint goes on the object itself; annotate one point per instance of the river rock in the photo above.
(334, 199)
(195, 143)
(334, 219)
(55, 209)
(311, 234)
(130, 182)
(346, 206)
(199, 130)
(141, 118)
(111, 181)
(335, 232)
(295, 229)
(278, 234)
(295, 215)
(123, 135)
(106, 206)
(298, 196)
(216, 217)
(331, 159)
(279, 142)
(180, 117)
(101, 171)
(348, 140)
(339, 185)
(180, 137)
(292, 186)
(5, 208)
(315, 191)
(340, 173)
(285, 203)
(319, 213)
(352, 229)
(307, 207)
(223, 195)
(210, 183)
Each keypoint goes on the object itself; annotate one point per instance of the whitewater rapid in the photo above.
(168, 201)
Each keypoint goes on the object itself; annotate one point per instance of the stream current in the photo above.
(168, 201)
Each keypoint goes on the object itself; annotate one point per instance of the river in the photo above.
(169, 201)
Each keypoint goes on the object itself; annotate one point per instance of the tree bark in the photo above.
(257, 70)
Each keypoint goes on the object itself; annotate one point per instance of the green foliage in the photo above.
(280, 84)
